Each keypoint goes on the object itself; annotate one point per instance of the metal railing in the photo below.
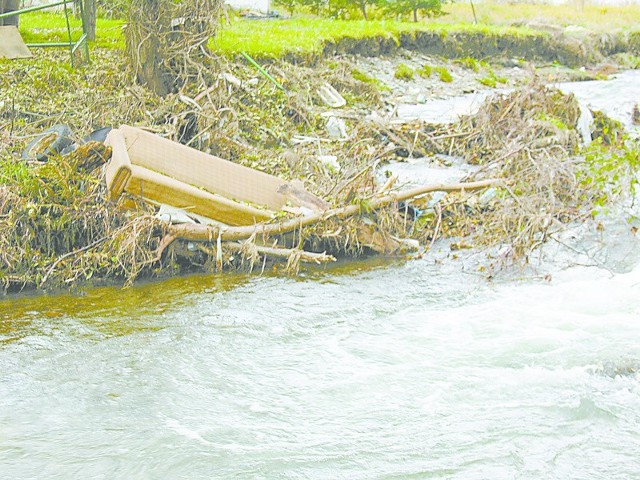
(73, 46)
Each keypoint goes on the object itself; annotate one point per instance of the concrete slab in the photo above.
(11, 44)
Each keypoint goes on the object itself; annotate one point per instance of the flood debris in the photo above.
(330, 96)
(529, 138)
(233, 203)
(50, 142)
(293, 192)
(160, 171)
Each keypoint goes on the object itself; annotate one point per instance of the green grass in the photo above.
(425, 71)
(302, 36)
(599, 18)
(12, 172)
(307, 36)
(491, 79)
(444, 74)
(470, 63)
(364, 78)
(40, 27)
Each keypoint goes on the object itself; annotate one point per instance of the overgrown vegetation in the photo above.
(57, 229)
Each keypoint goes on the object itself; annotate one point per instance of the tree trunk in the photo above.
(363, 9)
(202, 233)
(90, 19)
(167, 40)
(147, 26)
(415, 15)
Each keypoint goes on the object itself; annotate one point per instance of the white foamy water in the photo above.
(405, 371)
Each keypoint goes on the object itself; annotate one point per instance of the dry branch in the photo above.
(304, 256)
(199, 232)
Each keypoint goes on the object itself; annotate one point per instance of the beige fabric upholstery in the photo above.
(164, 172)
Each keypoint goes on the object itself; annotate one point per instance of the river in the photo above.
(367, 370)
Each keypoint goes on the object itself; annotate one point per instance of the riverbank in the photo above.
(241, 116)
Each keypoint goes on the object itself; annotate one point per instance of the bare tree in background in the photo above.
(167, 40)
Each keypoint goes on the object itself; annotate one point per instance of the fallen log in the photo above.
(209, 233)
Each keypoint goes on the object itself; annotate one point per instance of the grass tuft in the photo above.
(425, 71)
(443, 74)
(404, 72)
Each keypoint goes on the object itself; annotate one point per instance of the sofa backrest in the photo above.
(202, 170)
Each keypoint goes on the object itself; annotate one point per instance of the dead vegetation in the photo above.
(167, 41)
(529, 139)
(58, 230)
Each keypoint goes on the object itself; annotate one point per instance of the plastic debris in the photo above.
(330, 96)
(337, 128)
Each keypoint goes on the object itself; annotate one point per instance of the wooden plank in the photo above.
(11, 44)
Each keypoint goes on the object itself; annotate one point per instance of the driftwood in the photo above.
(295, 192)
(309, 257)
(203, 233)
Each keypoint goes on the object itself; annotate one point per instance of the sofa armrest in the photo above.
(118, 171)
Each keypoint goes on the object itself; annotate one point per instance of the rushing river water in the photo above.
(418, 369)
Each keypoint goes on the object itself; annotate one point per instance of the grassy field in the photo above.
(303, 35)
(593, 17)
(261, 38)
(308, 35)
(39, 27)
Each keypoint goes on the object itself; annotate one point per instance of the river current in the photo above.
(370, 370)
